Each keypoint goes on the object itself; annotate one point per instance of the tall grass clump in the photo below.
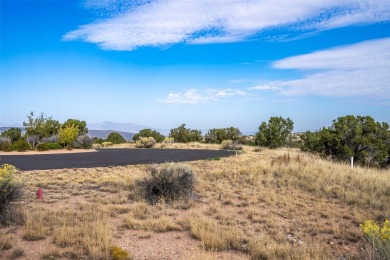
(10, 191)
(169, 182)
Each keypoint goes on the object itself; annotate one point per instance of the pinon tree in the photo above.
(182, 134)
(360, 137)
(275, 133)
(149, 133)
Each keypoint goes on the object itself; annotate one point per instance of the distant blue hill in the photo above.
(104, 134)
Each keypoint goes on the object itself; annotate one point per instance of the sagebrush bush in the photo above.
(230, 145)
(50, 139)
(84, 142)
(21, 145)
(43, 147)
(169, 182)
(11, 190)
(145, 142)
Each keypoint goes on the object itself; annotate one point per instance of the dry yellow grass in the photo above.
(267, 204)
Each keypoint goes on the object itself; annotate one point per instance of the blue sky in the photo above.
(205, 63)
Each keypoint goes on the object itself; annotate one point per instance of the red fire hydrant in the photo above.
(40, 193)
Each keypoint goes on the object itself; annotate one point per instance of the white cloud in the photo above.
(132, 24)
(359, 70)
(263, 87)
(194, 96)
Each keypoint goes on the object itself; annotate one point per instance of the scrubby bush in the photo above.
(43, 147)
(217, 135)
(145, 142)
(149, 133)
(21, 145)
(11, 191)
(54, 146)
(84, 142)
(119, 253)
(169, 182)
(5, 144)
(230, 145)
(116, 138)
(13, 133)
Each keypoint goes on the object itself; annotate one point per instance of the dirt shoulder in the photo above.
(60, 151)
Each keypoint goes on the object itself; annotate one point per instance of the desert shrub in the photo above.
(5, 144)
(119, 253)
(21, 145)
(54, 146)
(43, 147)
(378, 238)
(169, 181)
(11, 191)
(145, 142)
(50, 139)
(230, 145)
(84, 142)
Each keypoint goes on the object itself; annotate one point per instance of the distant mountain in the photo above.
(123, 127)
(104, 134)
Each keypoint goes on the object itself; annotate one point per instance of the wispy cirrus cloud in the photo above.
(195, 96)
(358, 70)
(132, 24)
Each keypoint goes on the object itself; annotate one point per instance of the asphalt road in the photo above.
(108, 157)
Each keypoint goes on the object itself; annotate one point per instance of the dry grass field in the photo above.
(261, 204)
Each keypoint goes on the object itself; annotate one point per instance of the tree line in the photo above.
(361, 137)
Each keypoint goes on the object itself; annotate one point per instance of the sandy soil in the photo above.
(60, 151)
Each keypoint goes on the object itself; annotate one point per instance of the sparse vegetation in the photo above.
(269, 204)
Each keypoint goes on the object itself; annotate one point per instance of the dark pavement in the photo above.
(108, 157)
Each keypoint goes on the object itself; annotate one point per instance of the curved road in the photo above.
(108, 157)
